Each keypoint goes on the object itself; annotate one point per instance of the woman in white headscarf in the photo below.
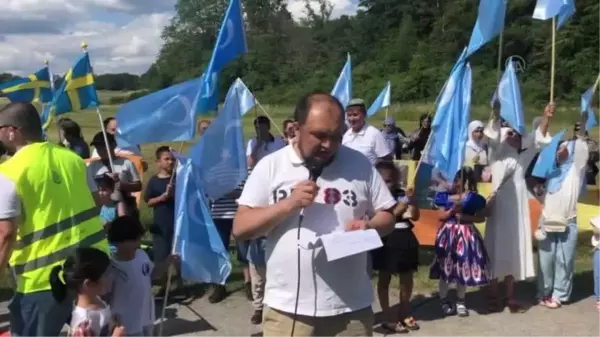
(476, 149)
(508, 228)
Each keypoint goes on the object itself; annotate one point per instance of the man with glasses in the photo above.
(48, 207)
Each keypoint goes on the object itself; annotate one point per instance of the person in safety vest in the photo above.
(47, 209)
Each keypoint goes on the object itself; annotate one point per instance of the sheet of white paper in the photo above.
(341, 244)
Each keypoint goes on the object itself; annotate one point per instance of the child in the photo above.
(87, 273)
(131, 295)
(595, 222)
(399, 254)
(113, 203)
(460, 254)
(159, 197)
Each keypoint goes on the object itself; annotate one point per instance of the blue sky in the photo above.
(123, 35)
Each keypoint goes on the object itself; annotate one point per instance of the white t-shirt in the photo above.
(563, 203)
(98, 320)
(265, 149)
(123, 166)
(350, 188)
(368, 141)
(131, 295)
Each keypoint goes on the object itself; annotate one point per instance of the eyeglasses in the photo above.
(388, 124)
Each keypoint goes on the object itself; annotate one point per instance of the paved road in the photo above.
(231, 318)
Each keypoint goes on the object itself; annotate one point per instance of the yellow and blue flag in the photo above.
(34, 88)
(76, 93)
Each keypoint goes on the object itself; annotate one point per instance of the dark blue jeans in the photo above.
(38, 314)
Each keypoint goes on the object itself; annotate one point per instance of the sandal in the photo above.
(394, 327)
(553, 304)
(411, 323)
(516, 308)
(597, 305)
(544, 301)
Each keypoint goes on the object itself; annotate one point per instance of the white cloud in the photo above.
(36, 30)
(340, 7)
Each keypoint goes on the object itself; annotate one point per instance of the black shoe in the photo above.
(256, 317)
(218, 294)
(248, 291)
(447, 308)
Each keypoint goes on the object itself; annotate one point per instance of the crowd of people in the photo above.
(61, 253)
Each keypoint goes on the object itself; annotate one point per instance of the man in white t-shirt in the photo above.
(363, 137)
(334, 297)
(264, 143)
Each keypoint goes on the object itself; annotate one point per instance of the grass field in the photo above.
(406, 115)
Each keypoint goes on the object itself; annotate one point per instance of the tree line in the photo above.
(413, 44)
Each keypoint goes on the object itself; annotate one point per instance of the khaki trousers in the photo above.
(357, 323)
(257, 279)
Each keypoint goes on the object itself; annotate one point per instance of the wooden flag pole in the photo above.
(553, 60)
(387, 111)
(268, 116)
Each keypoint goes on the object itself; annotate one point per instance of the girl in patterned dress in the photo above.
(461, 257)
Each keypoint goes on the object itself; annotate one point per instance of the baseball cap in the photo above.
(356, 102)
(98, 140)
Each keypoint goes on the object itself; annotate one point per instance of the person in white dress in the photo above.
(508, 228)
(476, 150)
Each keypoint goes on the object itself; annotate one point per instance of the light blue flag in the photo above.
(167, 115)
(247, 100)
(204, 258)
(342, 90)
(509, 95)
(547, 9)
(220, 155)
(382, 101)
(231, 44)
(450, 124)
(586, 107)
(489, 24)
(546, 161)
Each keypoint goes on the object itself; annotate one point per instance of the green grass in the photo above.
(406, 115)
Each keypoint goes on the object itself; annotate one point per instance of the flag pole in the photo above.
(553, 60)
(170, 270)
(268, 116)
(387, 110)
(47, 63)
(84, 46)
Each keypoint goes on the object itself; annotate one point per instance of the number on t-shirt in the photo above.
(279, 195)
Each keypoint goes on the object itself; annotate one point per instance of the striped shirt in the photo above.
(225, 208)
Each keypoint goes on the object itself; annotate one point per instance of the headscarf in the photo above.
(476, 145)
(558, 176)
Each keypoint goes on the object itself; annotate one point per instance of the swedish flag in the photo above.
(35, 88)
(76, 93)
(78, 90)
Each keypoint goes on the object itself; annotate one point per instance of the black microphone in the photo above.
(314, 171)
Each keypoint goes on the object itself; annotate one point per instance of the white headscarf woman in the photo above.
(476, 149)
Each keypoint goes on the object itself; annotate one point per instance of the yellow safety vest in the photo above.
(58, 212)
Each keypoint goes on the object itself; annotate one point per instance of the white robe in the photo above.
(508, 229)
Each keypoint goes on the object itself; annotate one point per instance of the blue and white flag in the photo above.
(586, 108)
(489, 24)
(247, 100)
(220, 155)
(382, 101)
(450, 124)
(342, 90)
(508, 94)
(548, 9)
(546, 161)
(167, 115)
(204, 258)
(231, 44)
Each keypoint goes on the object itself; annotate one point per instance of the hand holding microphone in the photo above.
(303, 194)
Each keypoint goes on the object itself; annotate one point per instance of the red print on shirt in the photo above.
(332, 196)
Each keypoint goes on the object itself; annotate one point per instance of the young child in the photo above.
(399, 254)
(595, 222)
(133, 272)
(113, 203)
(159, 196)
(460, 253)
(87, 273)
